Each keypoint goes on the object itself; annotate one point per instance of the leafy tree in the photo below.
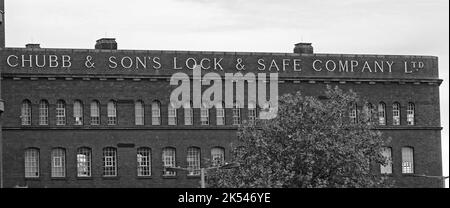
(311, 143)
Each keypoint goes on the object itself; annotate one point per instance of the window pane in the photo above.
(60, 113)
(204, 115)
(139, 113)
(172, 115)
(109, 161)
(43, 112)
(396, 114)
(26, 113)
(236, 114)
(78, 112)
(382, 114)
(84, 162)
(188, 114)
(112, 113)
(220, 113)
(169, 160)
(156, 113)
(31, 163)
(407, 160)
(410, 111)
(58, 162)
(193, 159)
(387, 153)
(217, 156)
(144, 162)
(95, 113)
(252, 112)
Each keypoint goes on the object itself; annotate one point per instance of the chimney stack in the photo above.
(33, 45)
(106, 43)
(304, 48)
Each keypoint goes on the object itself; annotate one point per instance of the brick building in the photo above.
(102, 117)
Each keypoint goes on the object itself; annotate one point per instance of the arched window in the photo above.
(60, 113)
(31, 163)
(387, 153)
(353, 113)
(220, 114)
(139, 113)
(156, 113)
(411, 112)
(144, 161)
(252, 113)
(396, 114)
(112, 113)
(43, 112)
(26, 113)
(109, 162)
(95, 113)
(84, 158)
(78, 112)
(193, 160)
(169, 160)
(236, 113)
(204, 115)
(382, 113)
(172, 115)
(188, 114)
(407, 160)
(58, 163)
(217, 156)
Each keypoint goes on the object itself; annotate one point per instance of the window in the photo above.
(188, 114)
(407, 160)
(193, 160)
(172, 115)
(144, 161)
(84, 162)
(95, 113)
(156, 113)
(204, 115)
(410, 114)
(112, 113)
(169, 160)
(252, 112)
(58, 163)
(236, 114)
(382, 114)
(60, 113)
(217, 156)
(387, 153)
(109, 162)
(396, 114)
(220, 113)
(26, 113)
(353, 113)
(139, 113)
(78, 112)
(32, 163)
(369, 111)
(43, 112)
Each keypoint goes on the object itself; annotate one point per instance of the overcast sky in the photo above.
(416, 27)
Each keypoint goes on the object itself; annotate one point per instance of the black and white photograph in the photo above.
(224, 95)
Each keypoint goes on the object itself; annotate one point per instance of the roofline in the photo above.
(216, 53)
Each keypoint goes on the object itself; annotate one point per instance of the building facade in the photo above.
(102, 117)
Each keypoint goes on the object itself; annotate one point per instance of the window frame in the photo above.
(58, 162)
(95, 113)
(43, 113)
(169, 159)
(78, 112)
(32, 165)
(87, 152)
(26, 113)
(109, 156)
(144, 170)
(61, 113)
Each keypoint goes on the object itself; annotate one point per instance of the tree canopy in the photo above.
(311, 143)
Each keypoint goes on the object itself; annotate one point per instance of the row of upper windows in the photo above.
(110, 163)
(188, 113)
(26, 112)
(407, 160)
(381, 113)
